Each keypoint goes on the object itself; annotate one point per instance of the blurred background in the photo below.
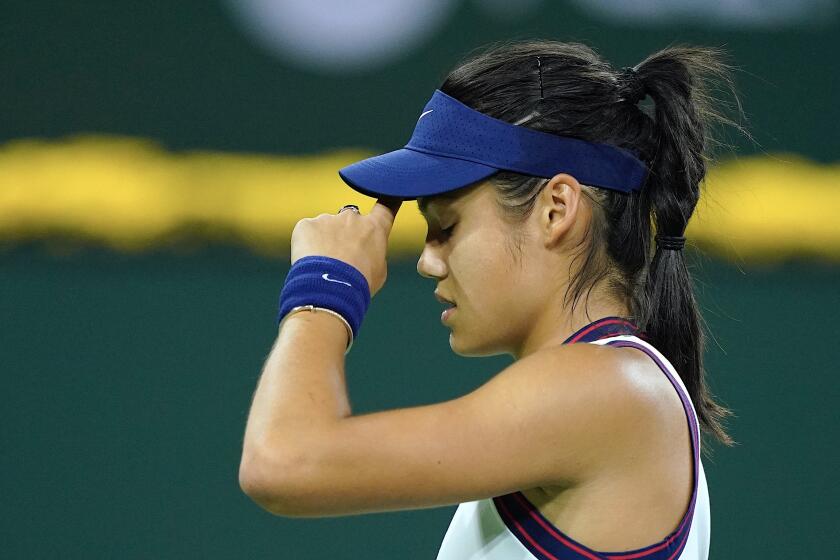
(155, 156)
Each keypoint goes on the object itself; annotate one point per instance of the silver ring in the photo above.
(351, 206)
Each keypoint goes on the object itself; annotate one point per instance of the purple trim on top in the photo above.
(547, 542)
(603, 328)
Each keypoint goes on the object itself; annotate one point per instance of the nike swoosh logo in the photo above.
(426, 113)
(326, 277)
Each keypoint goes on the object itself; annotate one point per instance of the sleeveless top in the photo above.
(510, 527)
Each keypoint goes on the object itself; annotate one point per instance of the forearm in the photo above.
(302, 388)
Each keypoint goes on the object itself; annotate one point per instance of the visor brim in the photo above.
(408, 174)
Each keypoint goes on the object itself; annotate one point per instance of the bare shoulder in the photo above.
(628, 378)
(598, 400)
(608, 375)
(637, 406)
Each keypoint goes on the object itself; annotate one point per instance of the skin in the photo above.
(486, 283)
(595, 436)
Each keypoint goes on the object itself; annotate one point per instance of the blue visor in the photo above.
(454, 145)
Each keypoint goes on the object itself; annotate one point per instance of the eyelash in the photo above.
(448, 231)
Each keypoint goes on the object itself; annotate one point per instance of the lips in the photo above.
(446, 314)
(442, 299)
(449, 310)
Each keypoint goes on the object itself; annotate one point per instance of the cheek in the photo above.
(484, 268)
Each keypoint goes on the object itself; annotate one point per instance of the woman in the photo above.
(556, 208)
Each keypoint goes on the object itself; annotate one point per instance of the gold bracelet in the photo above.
(331, 312)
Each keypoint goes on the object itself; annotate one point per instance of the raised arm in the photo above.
(545, 420)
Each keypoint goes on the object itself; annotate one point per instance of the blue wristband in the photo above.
(329, 283)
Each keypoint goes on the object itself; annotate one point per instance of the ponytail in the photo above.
(677, 80)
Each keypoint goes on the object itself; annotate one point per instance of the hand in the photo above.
(357, 239)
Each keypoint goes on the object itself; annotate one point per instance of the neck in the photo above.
(548, 331)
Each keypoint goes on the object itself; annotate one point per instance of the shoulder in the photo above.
(602, 371)
(625, 373)
(626, 379)
(592, 401)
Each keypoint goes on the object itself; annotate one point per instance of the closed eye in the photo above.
(439, 233)
(447, 233)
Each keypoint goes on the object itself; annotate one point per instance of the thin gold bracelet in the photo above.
(330, 311)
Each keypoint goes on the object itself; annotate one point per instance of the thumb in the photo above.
(385, 211)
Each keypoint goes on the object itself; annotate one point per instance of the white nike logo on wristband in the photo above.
(325, 277)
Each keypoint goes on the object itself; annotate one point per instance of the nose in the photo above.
(430, 264)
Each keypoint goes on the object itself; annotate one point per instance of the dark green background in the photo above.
(127, 378)
(183, 74)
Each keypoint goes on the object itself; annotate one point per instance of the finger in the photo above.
(385, 210)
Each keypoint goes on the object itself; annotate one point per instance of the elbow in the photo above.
(255, 487)
(274, 481)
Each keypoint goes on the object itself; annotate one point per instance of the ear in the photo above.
(559, 205)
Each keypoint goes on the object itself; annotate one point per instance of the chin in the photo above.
(478, 349)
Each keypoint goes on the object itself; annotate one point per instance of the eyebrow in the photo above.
(424, 201)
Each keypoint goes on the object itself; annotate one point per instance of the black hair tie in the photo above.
(674, 243)
(632, 88)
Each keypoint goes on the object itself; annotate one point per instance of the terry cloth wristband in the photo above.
(331, 284)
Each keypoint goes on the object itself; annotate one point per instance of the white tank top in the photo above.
(510, 527)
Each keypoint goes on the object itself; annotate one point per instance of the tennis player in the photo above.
(556, 205)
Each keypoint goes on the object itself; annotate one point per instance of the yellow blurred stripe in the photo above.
(132, 195)
(769, 207)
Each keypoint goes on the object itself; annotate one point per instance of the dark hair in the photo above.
(571, 91)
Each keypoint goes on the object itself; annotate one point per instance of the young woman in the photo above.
(556, 206)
